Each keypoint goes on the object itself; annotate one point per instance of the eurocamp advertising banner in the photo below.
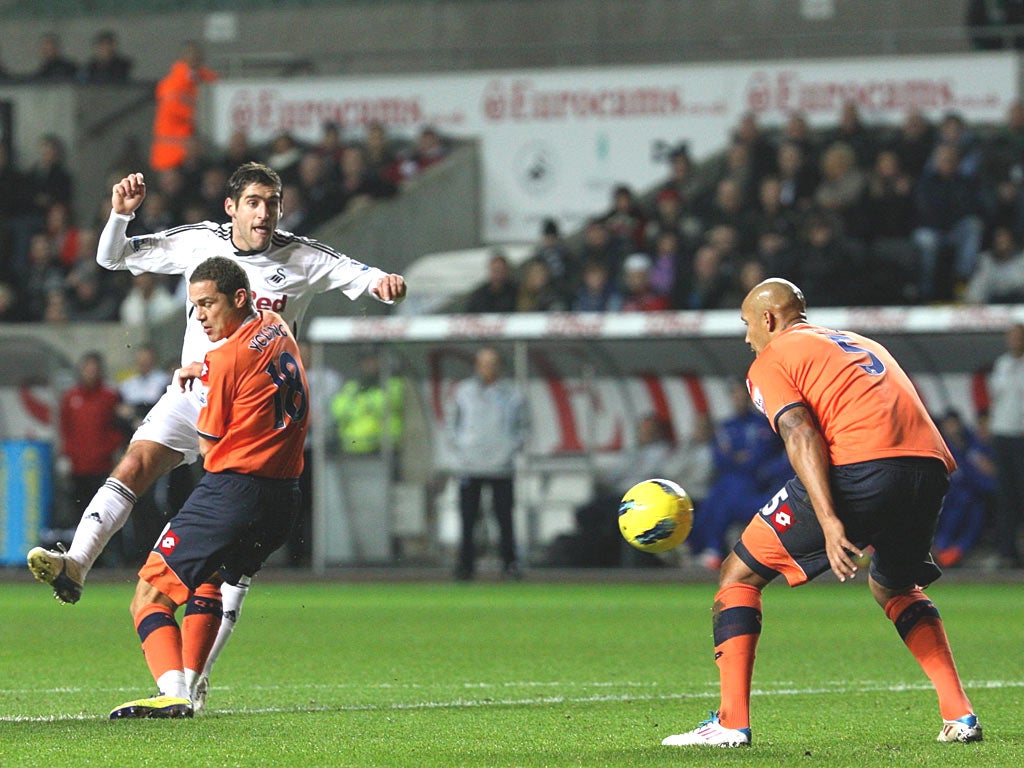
(556, 142)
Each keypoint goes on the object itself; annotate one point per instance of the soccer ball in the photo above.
(655, 515)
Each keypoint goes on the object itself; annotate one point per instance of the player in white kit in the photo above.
(285, 272)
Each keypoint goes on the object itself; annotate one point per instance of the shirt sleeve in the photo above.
(145, 253)
(772, 389)
(329, 270)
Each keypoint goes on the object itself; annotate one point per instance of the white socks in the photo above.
(172, 683)
(106, 515)
(232, 597)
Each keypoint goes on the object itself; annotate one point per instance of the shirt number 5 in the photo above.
(875, 368)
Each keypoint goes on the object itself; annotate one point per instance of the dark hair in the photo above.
(252, 173)
(225, 274)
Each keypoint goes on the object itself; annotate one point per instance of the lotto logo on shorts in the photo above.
(168, 542)
(777, 511)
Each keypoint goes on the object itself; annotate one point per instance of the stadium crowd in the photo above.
(924, 212)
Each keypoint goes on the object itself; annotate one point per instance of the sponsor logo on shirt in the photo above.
(141, 243)
(273, 303)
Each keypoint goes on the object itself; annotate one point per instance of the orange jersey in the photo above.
(256, 404)
(865, 404)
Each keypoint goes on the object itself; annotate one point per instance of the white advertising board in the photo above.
(556, 142)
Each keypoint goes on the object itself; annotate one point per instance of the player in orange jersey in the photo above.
(252, 426)
(871, 469)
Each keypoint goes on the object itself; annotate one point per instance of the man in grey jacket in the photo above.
(487, 425)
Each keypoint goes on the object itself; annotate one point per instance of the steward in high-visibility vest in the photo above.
(361, 406)
(174, 122)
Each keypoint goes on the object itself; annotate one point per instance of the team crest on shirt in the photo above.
(756, 397)
(168, 542)
(205, 375)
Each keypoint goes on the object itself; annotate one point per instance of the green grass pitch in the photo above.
(493, 674)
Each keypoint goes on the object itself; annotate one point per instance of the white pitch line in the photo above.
(832, 688)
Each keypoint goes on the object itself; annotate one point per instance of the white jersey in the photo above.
(284, 277)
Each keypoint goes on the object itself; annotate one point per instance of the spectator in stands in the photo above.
(625, 221)
(971, 490)
(667, 265)
(598, 246)
(948, 209)
(914, 143)
(148, 303)
(561, 261)
(770, 216)
(736, 168)
(637, 293)
(827, 260)
(293, 210)
(429, 150)
(212, 190)
(597, 292)
(954, 132)
(668, 217)
(89, 303)
(748, 459)
(537, 291)
(284, 157)
(319, 191)
(49, 180)
(55, 307)
(330, 148)
(841, 188)
(850, 130)
(683, 181)
(706, 284)
(10, 310)
(381, 157)
(63, 233)
(172, 185)
(728, 208)
(999, 277)
(16, 220)
(360, 184)
(107, 65)
(43, 277)
(760, 153)
(889, 199)
(498, 293)
(797, 178)
(53, 67)
(237, 152)
(177, 96)
(487, 424)
(798, 131)
(1006, 423)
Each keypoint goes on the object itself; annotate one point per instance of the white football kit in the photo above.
(284, 278)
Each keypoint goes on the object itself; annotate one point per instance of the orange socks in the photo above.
(920, 626)
(161, 639)
(737, 627)
(199, 627)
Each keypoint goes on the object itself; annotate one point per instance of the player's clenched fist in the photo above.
(128, 194)
(390, 288)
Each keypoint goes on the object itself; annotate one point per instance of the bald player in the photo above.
(871, 469)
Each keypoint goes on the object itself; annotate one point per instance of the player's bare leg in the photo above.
(139, 468)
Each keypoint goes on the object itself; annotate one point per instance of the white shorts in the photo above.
(172, 422)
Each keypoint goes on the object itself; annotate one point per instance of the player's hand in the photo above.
(390, 288)
(128, 194)
(185, 376)
(840, 550)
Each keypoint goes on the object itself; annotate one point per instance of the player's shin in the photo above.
(232, 596)
(106, 515)
(737, 628)
(199, 629)
(921, 629)
(161, 645)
